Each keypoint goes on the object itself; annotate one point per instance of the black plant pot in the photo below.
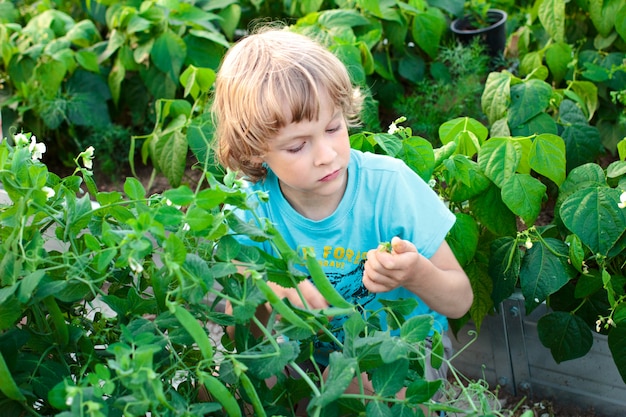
(492, 36)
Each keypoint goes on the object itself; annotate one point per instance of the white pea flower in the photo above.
(393, 128)
(49, 192)
(610, 322)
(598, 325)
(20, 139)
(36, 149)
(135, 266)
(622, 200)
(432, 183)
(186, 227)
(528, 243)
(87, 157)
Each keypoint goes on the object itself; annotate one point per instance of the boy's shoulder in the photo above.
(370, 161)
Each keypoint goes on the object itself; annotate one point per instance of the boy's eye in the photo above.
(296, 149)
(332, 129)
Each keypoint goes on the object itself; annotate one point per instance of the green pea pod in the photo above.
(197, 332)
(252, 394)
(322, 283)
(215, 387)
(8, 385)
(280, 306)
(62, 333)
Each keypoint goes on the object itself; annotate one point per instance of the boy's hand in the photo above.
(386, 270)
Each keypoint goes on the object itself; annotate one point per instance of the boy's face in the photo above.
(310, 159)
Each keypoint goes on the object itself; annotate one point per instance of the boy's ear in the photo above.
(257, 160)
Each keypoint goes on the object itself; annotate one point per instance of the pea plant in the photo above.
(525, 223)
(112, 303)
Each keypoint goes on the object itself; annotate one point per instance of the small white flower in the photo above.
(36, 149)
(87, 156)
(536, 300)
(598, 325)
(20, 139)
(393, 128)
(622, 200)
(135, 266)
(611, 322)
(528, 243)
(432, 183)
(186, 227)
(49, 192)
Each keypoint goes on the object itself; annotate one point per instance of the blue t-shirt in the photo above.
(383, 198)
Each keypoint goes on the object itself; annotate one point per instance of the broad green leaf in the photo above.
(482, 288)
(378, 409)
(427, 29)
(175, 251)
(134, 189)
(50, 76)
(504, 267)
(552, 16)
(496, 95)
(418, 154)
(168, 54)
(617, 345)
(528, 100)
(231, 16)
(544, 271)
(593, 215)
(582, 145)
(389, 379)
(341, 372)
(499, 159)
(463, 238)
(523, 195)
(547, 157)
(334, 18)
(603, 13)
(171, 154)
(558, 57)
(228, 248)
(532, 66)
(393, 350)
(421, 390)
(588, 93)
(464, 178)
(588, 284)
(541, 123)
(84, 34)
(412, 68)
(198, 219)
(390, 144)
(264, 361)
(199, 137)
(469, 134)
(620, 27)
(565, 334)
(416, 329)
(492, 213)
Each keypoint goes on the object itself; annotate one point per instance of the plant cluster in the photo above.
(106, 297)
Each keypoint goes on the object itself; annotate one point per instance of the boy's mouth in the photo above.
(331, 176)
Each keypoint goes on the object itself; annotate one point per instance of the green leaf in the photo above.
(582, 145)
(377, 409)
(418, 154)
(620, 27)
(504, 267)
(496, 95)
(264, 361)
(523, 195)
(417, 328)
(593, 215)
(463, 238)
(528, 100)
(171, 154)
(341, 372)
(341, 18)
(492, 213)
(168, 53)
(390, 144)
(421, 390)
(552, 16)
(389, 379)
(482, 288)
(558, 57)
(544, 271)
(547, 157)
(603, 13)
(393, 350)
(427, 29)
(617, 345)
(588, 95)
(134, 189)
(499, 159)
(565, 334)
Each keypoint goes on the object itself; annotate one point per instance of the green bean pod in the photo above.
(197, 332)
(252, 394)
(215, 387)
(280, 306)
(322, 283)
(8, 385)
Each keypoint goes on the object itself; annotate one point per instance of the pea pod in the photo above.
(197, 332)
(62, 333)
(215, 387)
(322, 283)
(252, 394)
(8, 385)
(280, 306)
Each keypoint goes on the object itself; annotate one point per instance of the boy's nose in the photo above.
(324, 152)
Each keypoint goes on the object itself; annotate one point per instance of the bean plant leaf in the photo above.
(617, 345)
(582, 144)
(463, 238)
(427, 29)
(492, 213)
(603, 13)
(528, 100)
(620, 27)
(523, 195)
(565, 334)
(171, 154)
(389, 379)
(421, 390)
(496, 96)
(593, 214)
(393, 350)
(552, 17)
(482, 288)
(504, 267)
(499, 159)
(558, 58)
(544, 271)
(168, 53)
(418, 154)
(341, 372)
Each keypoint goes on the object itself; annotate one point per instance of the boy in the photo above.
(283, 105)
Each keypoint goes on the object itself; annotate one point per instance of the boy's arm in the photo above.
(439, 281)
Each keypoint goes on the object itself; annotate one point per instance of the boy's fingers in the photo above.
(401, 246)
